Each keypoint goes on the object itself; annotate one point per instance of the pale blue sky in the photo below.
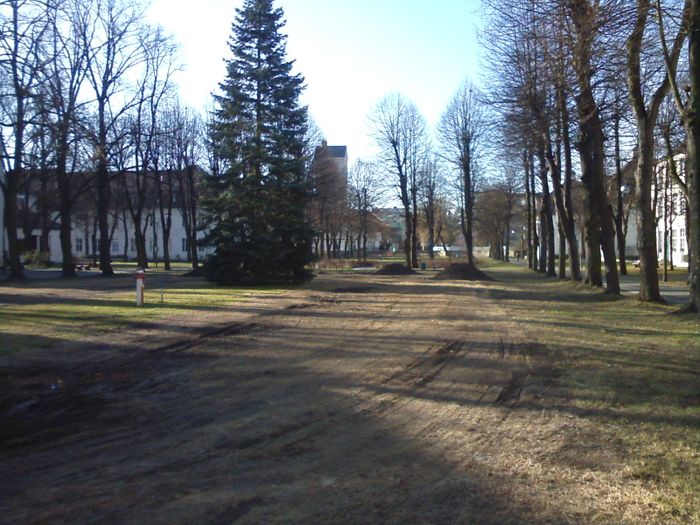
(351, 53)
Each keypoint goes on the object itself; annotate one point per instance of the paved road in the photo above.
(673, 293)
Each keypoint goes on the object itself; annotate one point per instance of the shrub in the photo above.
(37, 259)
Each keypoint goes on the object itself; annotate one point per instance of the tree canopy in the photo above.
(260, 233)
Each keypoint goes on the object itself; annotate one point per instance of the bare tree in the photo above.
(689, 108)
(508, 185)
(400, 132)
(115, 51)
(460, 130)
(365, 191)
(188, 153)
(559, 157)
(618, 112)
(153, 87)
(646, 113)
(23, 26)
(587, 22)
(431, 190)
(329, 202)
(65, 71)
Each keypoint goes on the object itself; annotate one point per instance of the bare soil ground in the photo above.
(356, 399)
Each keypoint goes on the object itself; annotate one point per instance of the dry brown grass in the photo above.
(363, 399)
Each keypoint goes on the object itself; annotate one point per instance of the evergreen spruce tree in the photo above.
(258, 204)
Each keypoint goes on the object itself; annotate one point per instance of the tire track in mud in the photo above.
(417, 374)
(400, 386)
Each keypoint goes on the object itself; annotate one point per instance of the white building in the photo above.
(85, 241)
(85, 235)
(671, 207)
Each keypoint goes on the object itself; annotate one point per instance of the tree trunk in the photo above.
(154, 231)
(598, 218)
(126, 236)
(140, 241)
(506, 233)
(544, 237)
(95, 247)
(547, 212)
(562, 254)
(67, 264)
(468, 209)
(693, 151)
(646, 120)
(407, 236)
(103, 201)
(533, 206)
(13, 248)
(646, 217)
(528, 196)
(414, 227)
(600, 233)
(570, 223)
(620, 215)
(567, 226)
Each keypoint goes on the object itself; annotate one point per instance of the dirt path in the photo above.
(359, 399)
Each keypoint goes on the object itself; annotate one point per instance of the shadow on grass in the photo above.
(268, 429)
(256, 432)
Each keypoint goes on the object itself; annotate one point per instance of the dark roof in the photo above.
(338, 151)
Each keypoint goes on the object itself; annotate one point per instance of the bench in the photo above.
(81, 265)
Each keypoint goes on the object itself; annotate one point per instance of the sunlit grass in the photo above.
(632, 367)
(56, 317)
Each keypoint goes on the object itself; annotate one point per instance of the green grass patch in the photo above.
(41, 318)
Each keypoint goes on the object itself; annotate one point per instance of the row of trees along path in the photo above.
(555, 80)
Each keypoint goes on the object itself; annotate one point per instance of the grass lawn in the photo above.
(633, 368)
(131, 266)
(630, 371)
(44, 312)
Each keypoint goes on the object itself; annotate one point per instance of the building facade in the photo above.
(671, 212)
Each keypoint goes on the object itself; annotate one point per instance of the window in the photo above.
(682, 239)
(115, 246)
(674, 241)
(79, 245)
(132, 245)
(184, 244)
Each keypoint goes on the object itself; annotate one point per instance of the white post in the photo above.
(140, 286)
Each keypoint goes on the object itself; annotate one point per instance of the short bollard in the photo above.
(140, 286)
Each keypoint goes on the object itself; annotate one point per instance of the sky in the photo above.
(351, 53)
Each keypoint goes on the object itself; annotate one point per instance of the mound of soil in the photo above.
(363, 264)
(395, 269)
(463, 272)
